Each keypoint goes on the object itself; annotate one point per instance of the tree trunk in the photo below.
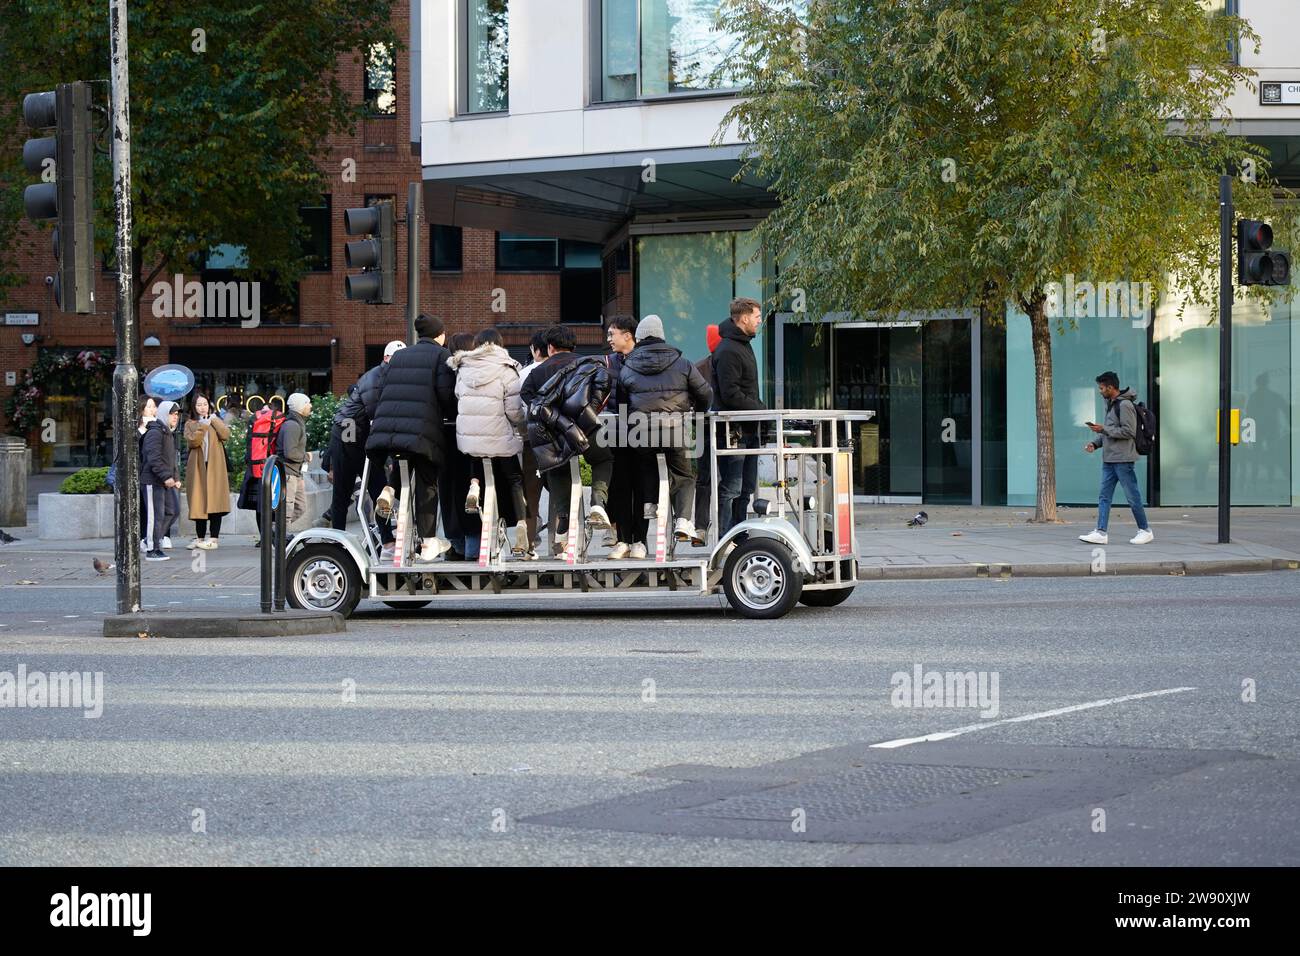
(1045, 510)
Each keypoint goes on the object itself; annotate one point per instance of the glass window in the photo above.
(618, 50)
(1187, 351)
(317, 244)
(381, 80)
(487, 61)
(445, 248)
(527, 253)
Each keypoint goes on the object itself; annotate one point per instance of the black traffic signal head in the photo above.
(65, 163)
(1257, 262)
(376, 254)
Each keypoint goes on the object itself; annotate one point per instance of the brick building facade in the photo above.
(327, 341)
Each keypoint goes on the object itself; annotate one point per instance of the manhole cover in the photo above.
(927, 793)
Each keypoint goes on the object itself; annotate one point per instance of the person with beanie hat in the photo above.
(419, 387)
(158, 476)
(291, 447)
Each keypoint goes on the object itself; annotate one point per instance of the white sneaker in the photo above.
(1095, 537)
(471, 499)
(432, 548)
(521, 546)
(209, 545)
(196, 543)
(1142, 537)
(167, 542)
(384, 503)
(598, 518)
(618, 552)
(637, 552)
(684, 530)
(386, 552)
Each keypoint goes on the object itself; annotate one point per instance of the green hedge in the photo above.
(87, 481)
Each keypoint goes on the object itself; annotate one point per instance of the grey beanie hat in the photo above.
(651, 325)
(297, 402)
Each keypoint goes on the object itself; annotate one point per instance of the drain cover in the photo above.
(926, 793)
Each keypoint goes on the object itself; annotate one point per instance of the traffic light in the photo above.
(1257, 262)
(376, 254)
(65, 163)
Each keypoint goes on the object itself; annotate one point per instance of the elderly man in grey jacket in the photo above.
(1115, 439)
(291, 446)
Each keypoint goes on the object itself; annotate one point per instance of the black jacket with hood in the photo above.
(656, 377)
(565, 412)
(417, 388)
(157, 454)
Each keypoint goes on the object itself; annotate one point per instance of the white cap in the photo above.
(297, 402)
(392, 347)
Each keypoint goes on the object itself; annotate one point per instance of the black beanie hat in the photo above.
(429, 326)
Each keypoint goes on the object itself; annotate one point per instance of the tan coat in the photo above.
(207, 489)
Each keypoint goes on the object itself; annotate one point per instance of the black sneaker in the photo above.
(157, 556)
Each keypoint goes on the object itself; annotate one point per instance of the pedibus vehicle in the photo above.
(800, 546)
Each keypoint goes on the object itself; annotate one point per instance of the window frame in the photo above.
(463, 64)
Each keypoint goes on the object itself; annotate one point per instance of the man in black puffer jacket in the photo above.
(408, 423)
(663, 387)
(348, 435)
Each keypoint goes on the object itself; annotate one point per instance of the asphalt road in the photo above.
(422, 738)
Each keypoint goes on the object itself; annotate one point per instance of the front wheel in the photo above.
(323, 577)
(760, 579)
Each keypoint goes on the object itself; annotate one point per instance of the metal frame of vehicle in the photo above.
(811, 517)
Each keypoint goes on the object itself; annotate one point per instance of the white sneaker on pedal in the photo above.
(636, 552)
(384, 503)
(1095, 537)
(387, 552)
(598, 518)
(471, 499)
(684, 530)
(1145, 536)
(521, 545)
(618, 552)
(431, 548)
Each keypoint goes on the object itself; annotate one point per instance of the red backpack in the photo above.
(261, 437)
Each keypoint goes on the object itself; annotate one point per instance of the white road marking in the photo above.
(946, 734)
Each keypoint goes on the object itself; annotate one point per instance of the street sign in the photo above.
(22, 318)
(1279, 93)
(169, 383)
(275, 488)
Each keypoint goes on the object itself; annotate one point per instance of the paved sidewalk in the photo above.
(956, 541)
(961, 541)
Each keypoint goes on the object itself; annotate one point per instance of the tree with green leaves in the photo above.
(231, 107)
(971, 153)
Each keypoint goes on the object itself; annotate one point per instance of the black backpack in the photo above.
(1145, 437)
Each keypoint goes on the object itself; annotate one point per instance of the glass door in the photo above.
(878, 368)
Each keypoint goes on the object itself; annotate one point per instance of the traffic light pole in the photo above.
(412, 259)
(1225, 358)
(126, 377)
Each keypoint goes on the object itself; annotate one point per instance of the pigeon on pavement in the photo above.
(918, 519)
(101, 566)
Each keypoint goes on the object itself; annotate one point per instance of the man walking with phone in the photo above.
(1116, 437)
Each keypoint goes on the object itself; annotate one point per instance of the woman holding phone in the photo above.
(207, 482)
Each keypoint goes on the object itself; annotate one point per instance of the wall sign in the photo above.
(1279, 93)
(22, 318)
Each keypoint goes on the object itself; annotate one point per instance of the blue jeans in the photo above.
(737, 482)
(1123, 474)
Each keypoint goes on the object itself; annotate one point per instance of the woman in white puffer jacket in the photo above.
(489, 418)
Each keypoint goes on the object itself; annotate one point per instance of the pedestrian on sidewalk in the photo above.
(1116, 439)
(158, 475)
(207, 481)
(291, 446)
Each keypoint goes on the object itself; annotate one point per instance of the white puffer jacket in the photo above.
(489, 412)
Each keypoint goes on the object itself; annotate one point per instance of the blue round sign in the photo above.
(275, 488)
(169, 383)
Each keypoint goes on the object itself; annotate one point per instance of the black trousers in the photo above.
(159, 515)
(454, 485)
(703, 486)
(347, 459)
(426, 475)
(625, 498)
(508, 478)
(681, 480)
(380, 476)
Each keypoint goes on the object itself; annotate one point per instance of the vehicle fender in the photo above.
(768, 528)
(349, 542)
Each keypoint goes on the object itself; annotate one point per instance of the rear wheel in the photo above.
(760, 579)
(323, 577)
(827, 598)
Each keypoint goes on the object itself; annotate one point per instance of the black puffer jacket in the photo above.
(361, 403)
(417, 387)
(657, 378)
(566, 411)
(735, 371)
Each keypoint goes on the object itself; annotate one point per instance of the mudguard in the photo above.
(768, 527)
